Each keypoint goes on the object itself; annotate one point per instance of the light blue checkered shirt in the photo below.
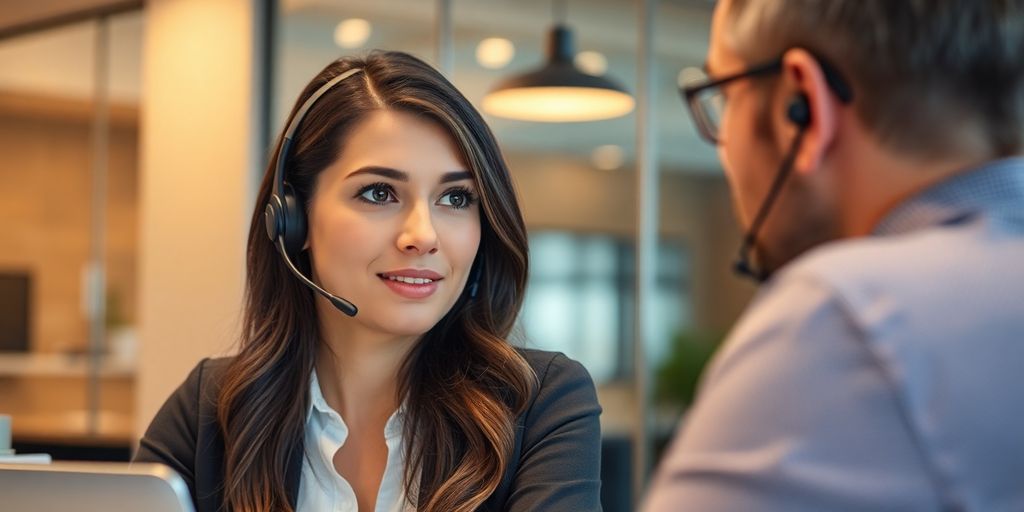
(879, 373)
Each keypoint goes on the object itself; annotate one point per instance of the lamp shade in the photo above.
(558, 91)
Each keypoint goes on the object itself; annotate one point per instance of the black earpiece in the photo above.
(799, 111)
(285, 219)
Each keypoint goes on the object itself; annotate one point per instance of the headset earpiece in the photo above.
(799, 111)
(286, 219)
(273, 218)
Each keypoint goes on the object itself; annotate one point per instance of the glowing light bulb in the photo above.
(352, 33)
(495, 52)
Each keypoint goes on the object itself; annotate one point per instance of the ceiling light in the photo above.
(558, 91)
(607, 158)
(495, 52)
(352, 33)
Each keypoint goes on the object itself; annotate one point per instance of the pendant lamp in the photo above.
(558, 91)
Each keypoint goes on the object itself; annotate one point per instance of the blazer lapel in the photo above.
(293, 473)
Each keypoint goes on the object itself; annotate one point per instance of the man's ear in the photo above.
(808, 104)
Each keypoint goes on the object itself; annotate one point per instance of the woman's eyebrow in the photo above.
(456, 176)
(385, 172)
(403, 176)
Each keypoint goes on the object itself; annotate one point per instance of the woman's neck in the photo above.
(358, 370)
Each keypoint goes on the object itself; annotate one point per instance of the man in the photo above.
(873, 151)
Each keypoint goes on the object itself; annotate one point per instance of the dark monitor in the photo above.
(15, 293)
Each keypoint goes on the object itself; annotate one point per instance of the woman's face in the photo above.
(394, 223)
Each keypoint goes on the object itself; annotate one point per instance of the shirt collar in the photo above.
(316, 397)
(995, 186)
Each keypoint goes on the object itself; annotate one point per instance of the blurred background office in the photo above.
(133, 135)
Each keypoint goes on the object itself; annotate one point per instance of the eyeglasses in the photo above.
(706, 101)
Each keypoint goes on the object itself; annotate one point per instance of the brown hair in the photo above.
(463, 383)
(922, 70)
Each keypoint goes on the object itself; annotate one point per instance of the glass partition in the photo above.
(69, 135)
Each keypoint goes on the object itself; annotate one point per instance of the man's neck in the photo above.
(875, 180)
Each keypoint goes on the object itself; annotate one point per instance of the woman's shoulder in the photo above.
(560, 380)
(185, 436)
(558, 440)
(197, 395)
(205, 377)
(211, 369)
(548, 364)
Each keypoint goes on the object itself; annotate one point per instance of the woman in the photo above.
(416, 401)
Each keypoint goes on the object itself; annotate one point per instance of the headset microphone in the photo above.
(343, 305)
(799, 112)
(284, 216)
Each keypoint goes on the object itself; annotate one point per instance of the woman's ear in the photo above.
(810, 106)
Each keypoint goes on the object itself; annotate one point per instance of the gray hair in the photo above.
(928, 75)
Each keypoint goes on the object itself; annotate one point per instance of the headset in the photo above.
(284, 216)
(799, 113)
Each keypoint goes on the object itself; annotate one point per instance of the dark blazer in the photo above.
(557, 445)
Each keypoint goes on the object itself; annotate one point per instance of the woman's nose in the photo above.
(418, 235)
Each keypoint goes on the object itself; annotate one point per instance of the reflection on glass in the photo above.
(579, 299)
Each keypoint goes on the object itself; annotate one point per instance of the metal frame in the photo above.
(646, 237)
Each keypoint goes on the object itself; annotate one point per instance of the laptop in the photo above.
(92, 487)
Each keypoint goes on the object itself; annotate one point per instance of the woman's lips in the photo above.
(411, 283)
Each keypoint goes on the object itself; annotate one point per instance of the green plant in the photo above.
(678, 376)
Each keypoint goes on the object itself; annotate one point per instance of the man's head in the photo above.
(938, 86)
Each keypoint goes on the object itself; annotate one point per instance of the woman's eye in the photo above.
(457, 199)
(377, 194)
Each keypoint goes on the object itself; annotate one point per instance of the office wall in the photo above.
(197, 159)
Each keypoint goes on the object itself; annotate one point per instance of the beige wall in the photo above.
(196, 164)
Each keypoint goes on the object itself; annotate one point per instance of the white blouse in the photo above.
(321, 488)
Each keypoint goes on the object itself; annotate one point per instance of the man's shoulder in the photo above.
(929, 270)
(933, 298)
(850, 262)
